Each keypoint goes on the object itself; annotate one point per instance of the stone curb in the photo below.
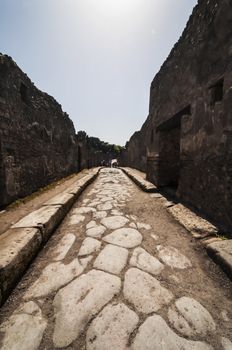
(199, 227)
(145, 185)
(221, 253)
(21, 243)
(218, 249)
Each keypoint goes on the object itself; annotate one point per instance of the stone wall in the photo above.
(135, 153)
(191, 97)
(37, 139)
(92, 152)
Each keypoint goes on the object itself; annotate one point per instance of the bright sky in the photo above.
(96, 57)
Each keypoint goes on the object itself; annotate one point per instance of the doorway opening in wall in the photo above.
(169, 151)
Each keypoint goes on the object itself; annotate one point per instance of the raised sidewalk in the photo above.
(23, 239)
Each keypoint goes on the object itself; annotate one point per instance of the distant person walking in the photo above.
(114, 163)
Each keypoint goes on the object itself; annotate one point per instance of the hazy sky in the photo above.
(96, 57)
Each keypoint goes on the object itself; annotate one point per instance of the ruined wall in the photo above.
(193, 92)
(135, 153)
(37, 139)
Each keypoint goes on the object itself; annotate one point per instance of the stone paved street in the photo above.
(119, 273)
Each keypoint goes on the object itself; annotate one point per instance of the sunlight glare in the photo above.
(117, 7)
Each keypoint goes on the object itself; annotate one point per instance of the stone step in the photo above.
(18, 246)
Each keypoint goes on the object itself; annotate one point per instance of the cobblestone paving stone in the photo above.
(101, 289)
(25, 328)
(89, 246)
(64, 246)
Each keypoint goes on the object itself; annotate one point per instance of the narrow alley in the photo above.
(119, 273)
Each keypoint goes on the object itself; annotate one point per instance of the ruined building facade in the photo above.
(186, 141)
(37, 139)
(38, 142)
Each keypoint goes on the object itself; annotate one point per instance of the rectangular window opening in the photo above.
(152, 136)
(216, 92)
(23, 93)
